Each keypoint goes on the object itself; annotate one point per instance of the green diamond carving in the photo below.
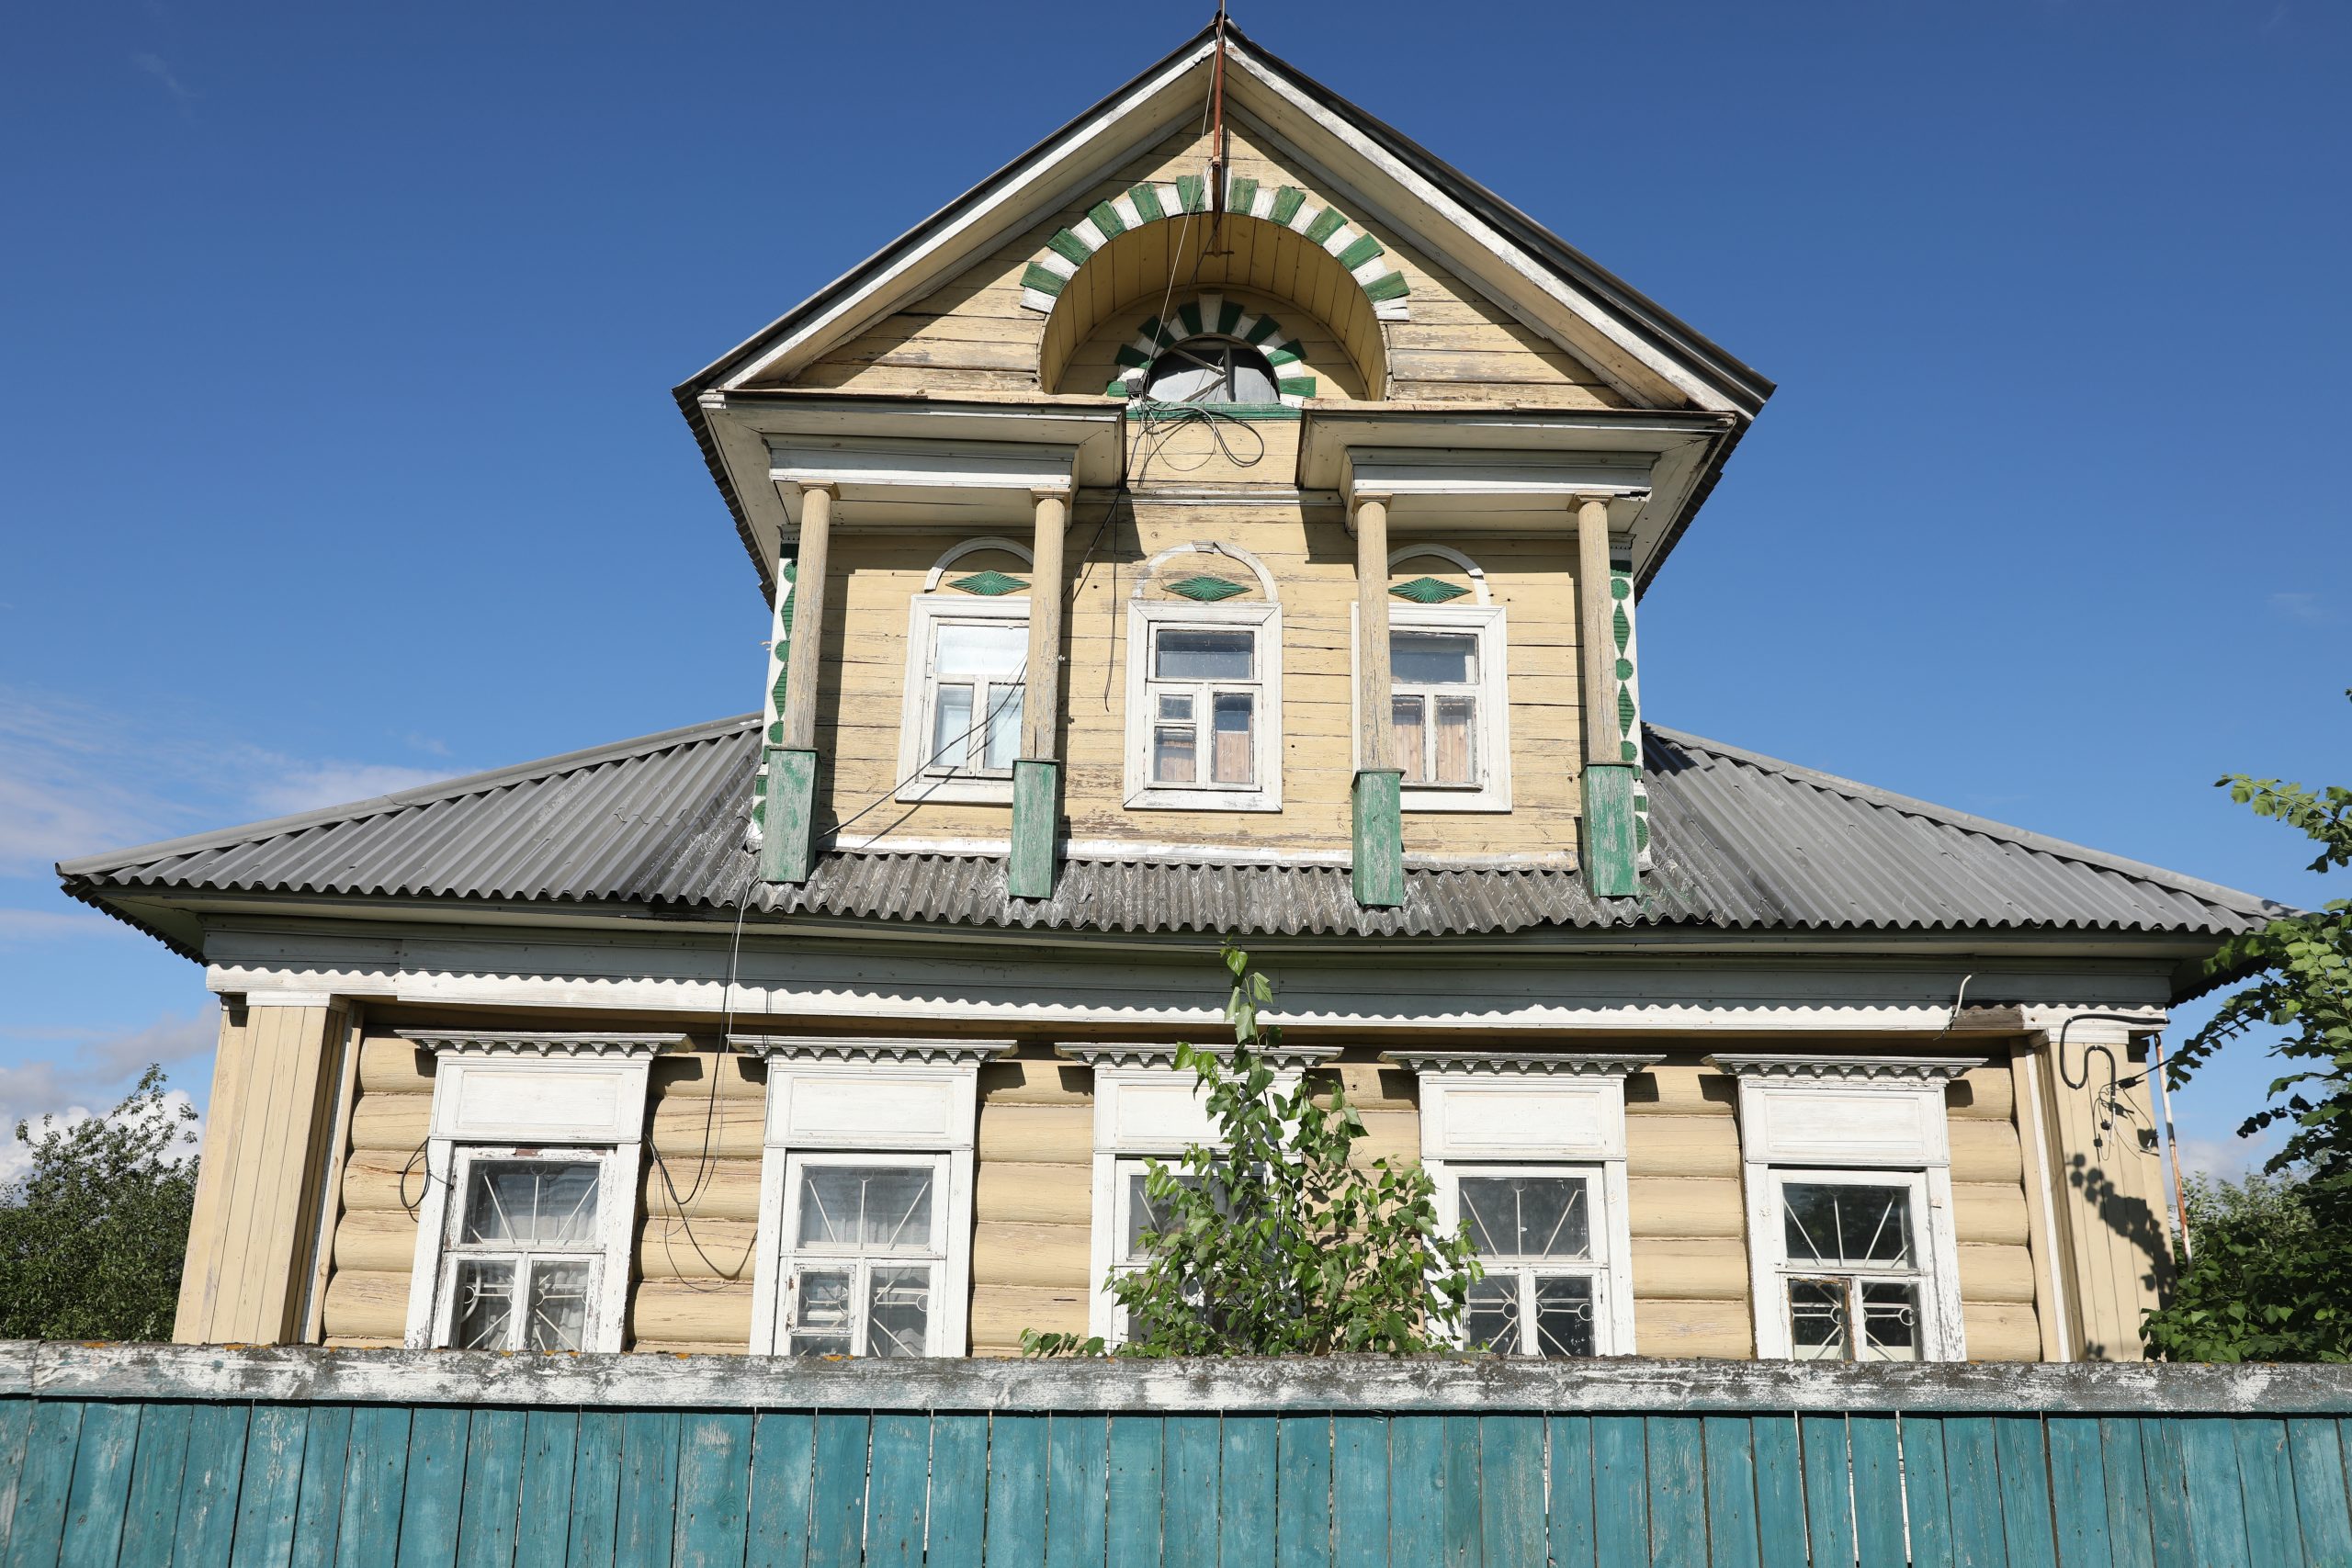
(989, 583)
(1428, 590)
(1207, 590)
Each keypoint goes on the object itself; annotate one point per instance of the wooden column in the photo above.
(1609, 849)
(267, 1140)
(785, 844)
(1379, 853)
(1037, 775)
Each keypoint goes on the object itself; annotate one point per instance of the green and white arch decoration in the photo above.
(1288, 207)
(989, 584)
(1629, 699)
(1213, 315)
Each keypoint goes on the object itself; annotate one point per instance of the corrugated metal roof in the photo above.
(1740, 842)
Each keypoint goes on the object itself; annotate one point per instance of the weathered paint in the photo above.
(1379, 858)
(1611, 855)
(791, 807)
(1036, 823)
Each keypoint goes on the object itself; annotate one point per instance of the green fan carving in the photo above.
(1207, 590)
(1428, 590)
(989, 583)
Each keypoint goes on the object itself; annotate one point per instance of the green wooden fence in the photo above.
(218, 1478)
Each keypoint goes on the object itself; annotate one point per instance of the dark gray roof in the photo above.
(1741, 842)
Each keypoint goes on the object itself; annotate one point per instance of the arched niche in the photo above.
(1130, 276)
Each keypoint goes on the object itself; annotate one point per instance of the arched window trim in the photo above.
(1146, 619)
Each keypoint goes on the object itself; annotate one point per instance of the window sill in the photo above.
(1495, 799)
(957, 792)
(1203, 800)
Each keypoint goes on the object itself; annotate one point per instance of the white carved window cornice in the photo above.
(806, 1049)
(1527, 1063)
(545, 1044)
(1281, 1058)
(1893, 1072)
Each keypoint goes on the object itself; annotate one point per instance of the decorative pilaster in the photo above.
(1377, 797)
(1610, 848)
(1038, 775)
(788, 807)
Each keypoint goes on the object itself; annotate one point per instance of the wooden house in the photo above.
(1227, 520)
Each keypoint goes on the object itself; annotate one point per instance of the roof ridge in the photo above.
(421, 795)
(2024, 838)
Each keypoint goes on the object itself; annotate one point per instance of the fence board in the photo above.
(2216, 1504)
(782, 1467)
(1621, 1512)
(436, 1489)
(216, 1464)
(2316, 1457)
(1246, 1494)
(1875, 1445)
(897, 1489)
(1359, 1491)
(2025, 1490)
(959, 1488)
(1828, 1506)
(374, 1485)
(272, 1487)
(2161, 1463)
(714, 1485)
(1188, 1507)
(44, 1482)
(16, 1419)
(2078, 1493)
(1416, 1472)
(2272, 1534)
(595, 1488)
(1972, 1487)
(1731, 1491)
(1077, 1465)
(1510, 1492)
(1458, 1492)
(100, 1494)
(550, 1441)
(1301, 1493)
(1927, 1502)
(150, 1518)
(645, 1523)
(493, 1490)
(2129, 1542)
(1573, 1540)
(1132, 1537)
(318, 1511)
(1678, 1492)
(837, 1492)
(1780, 1491)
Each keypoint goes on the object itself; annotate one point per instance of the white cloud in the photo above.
(156, 65)
(2225, 1159)
(95, 1072)
(2309, 609)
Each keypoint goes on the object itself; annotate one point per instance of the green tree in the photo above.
(91, 1236)
(2269, 1272)
(1274, 1243)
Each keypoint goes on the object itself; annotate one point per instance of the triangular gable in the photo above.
(1651, 358)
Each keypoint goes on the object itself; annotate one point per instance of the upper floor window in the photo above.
(1211, 371)
(967, 652)
(1449, 695)
(1204, 695)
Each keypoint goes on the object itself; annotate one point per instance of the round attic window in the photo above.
(1211, 371)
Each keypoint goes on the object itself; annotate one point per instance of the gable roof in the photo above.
(1742, 842)
(1497, 248)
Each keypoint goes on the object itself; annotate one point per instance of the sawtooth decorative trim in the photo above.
(1281, 1058)
(806, 1048)
(1915, 1071)
(536, 1043)
(1212, 315)
(1286, 207)
(1527, 1063)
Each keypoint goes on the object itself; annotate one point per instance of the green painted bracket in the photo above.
(791, 805)
(1037, 820)
(1611, 847)
(1379, 797)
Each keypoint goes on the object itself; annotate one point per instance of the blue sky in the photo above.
(340, 453)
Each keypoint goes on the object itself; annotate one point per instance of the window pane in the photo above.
(1434, 659)
(530, 1202)
(1211, 371)
(821, 1313)
(867, 1206)
(1005, 727)
(1851, 1225)
(1563, 1315)
(1182, 654)
(1235, 723)
(1527, 1217)
(1173, 759)
(1890, 1321)
(1146, 1215)
(559, 1317)
(1176, 707)
(485, 1305)
(1492, 1319)
(897, 1310)
(994, 649)
(1817, 1319)
(950, 728)
(1454, 738)
(1411, 741)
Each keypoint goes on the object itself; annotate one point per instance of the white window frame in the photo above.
(1922, 1274)
(1147, 1107)
(1490, 625)
(1813, 1117)
(861, 1261)
(1146, 620)
(921, 778)
(1538, 1114)
(1595, 1266)
(565, 1095)
(598, 1253)
(867, 1101)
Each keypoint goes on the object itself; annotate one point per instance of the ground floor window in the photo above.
(1537, 1237)
(525, 1254)
(1853, 1276)
(865, 1258)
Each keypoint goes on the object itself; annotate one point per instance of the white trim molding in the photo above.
(535, 1090)
(1281, 1058)
(1839, 1117)
(894, 1099)
(922, 776)
(1470, 568)
(1263, 618)
(1512, 1113)
(955, 553)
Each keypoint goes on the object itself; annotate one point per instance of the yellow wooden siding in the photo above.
(972, 334)
(875, 579)
(1031, 1201)
(1686, 1210)
(374, 1254)
(1998, 1268)
(698, 1218)
(2108, 1197)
